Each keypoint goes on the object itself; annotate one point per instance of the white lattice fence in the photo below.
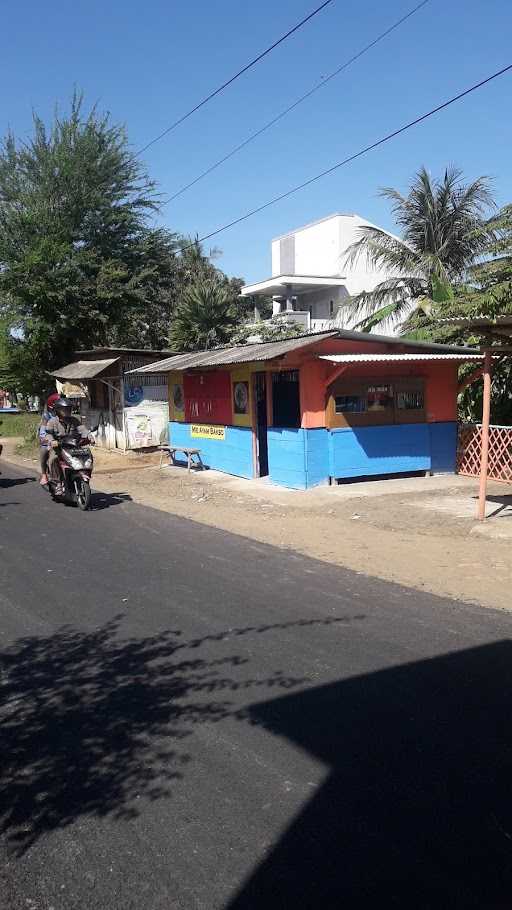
(469, 451)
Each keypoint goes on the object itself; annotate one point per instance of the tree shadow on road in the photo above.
(416, 808)
(94, 725)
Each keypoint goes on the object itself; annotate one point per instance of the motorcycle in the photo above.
(76, 463)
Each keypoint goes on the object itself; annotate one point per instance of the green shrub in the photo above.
(25, 425)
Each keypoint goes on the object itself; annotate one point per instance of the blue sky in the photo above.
(148, 63)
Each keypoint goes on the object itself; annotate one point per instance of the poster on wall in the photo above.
(139, 430)
(133, 395)
(146, 428)
(241, 397)
(71, 389)
(178, 399)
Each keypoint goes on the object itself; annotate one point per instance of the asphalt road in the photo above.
(191, 719)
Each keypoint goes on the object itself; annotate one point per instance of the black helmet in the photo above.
(63, 407)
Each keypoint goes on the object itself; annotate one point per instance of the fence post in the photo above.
(486, 419)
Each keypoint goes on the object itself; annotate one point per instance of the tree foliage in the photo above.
(444, 229)
(486, 291)
(77, 258)
(205, 316)
(80, 264)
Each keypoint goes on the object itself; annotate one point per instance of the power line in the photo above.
(296, 103)
(348, 160)
(237, 75)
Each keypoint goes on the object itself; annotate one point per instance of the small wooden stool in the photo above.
(185, 450)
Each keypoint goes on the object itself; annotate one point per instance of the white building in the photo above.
(310, 276)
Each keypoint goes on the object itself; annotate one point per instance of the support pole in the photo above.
(334, 375)
(486, 419)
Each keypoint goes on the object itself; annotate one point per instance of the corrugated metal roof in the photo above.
(242, 353)
(268, 350)
(432, 347)
(392, 358)
(84, 369)
(163, 352)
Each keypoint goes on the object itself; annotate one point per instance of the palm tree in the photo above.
(490, 280)
(443, 231)
(204, 318)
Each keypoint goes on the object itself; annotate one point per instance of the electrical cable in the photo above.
(296, 103)
(232, 79)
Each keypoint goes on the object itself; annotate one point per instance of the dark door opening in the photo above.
(286, 399)
(260, 398)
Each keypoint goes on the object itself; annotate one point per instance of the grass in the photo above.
(25, 425)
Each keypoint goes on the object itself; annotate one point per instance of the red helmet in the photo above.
(52, 399)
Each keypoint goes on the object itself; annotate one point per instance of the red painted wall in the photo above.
(208, 397)
(312, 393)
(440, 386)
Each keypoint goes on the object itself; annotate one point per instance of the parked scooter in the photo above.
(76, 464)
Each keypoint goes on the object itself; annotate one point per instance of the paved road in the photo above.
(195, 720)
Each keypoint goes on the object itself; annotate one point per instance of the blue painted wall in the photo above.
(234, 454)
(306, 458)
(287, 457)
(443, 447)
(317, 457)
(361, 451)
(298, 458)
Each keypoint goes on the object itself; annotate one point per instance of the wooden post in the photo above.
(486, 419)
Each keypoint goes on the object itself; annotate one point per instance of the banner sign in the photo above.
(199, 431)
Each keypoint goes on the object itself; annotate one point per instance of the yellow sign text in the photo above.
(199, 431)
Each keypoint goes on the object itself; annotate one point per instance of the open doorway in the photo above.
(260, 408)
(286, 399)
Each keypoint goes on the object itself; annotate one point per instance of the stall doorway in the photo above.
(260, 405)
(286, 399)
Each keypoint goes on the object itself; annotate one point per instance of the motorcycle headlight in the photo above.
(68, 457)
(88, 463)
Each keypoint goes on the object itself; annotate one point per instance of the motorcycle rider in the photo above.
(44, 448)
(62, 424)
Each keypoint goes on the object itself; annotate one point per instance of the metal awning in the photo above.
(398, 358)
(84, 369)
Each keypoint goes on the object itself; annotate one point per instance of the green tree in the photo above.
(489, 288)
(79, 263)
(205, 317)
(444, 229)
(487, 291)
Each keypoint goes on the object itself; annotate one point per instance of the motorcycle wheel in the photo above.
(84, 496)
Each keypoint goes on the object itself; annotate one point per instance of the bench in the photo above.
(184, 450)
